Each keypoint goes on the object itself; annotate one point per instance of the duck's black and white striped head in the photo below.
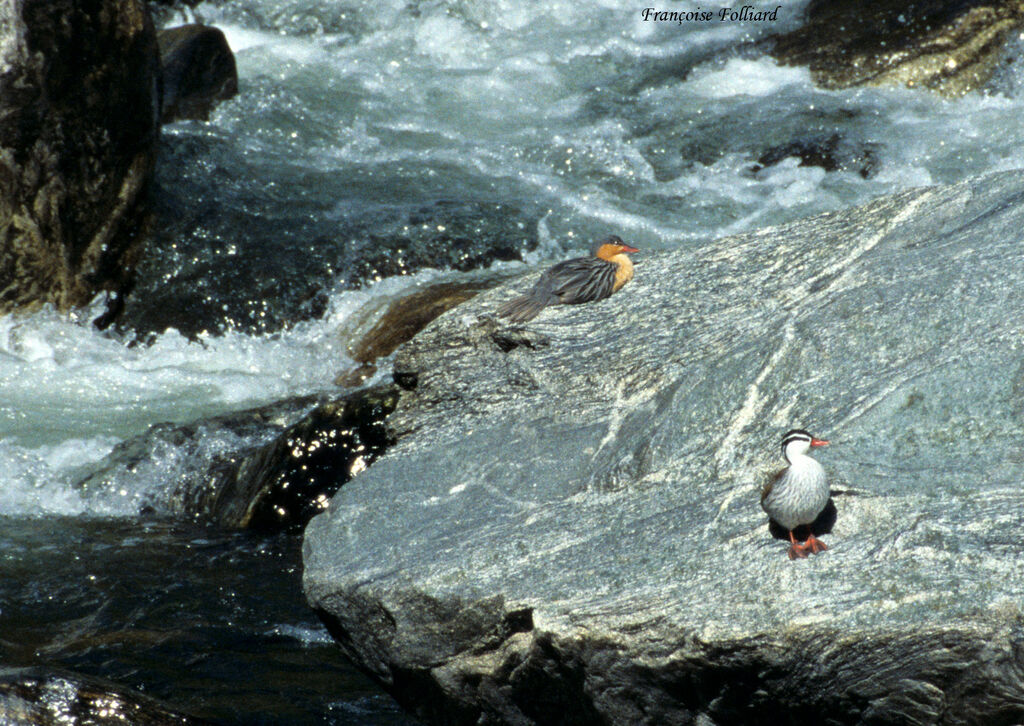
(798, 442)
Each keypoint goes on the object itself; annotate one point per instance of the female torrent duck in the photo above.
(579, 280)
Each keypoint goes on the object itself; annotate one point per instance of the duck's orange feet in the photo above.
(815, 545)
(797, 551)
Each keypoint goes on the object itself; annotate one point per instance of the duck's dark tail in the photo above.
(523, 308)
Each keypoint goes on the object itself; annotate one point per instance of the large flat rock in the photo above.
(568, 529)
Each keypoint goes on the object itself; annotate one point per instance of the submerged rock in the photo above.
(947, 45)
(568, 528)
(198, 71)
(831, 153)
(78, 125)
(43, 697)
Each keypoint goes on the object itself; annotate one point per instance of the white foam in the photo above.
(35, 481)
(62, 376)
(303, 633)
(741, 77)
(69, 393)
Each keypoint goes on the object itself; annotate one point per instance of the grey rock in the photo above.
(78, 125)
(198, 71)
(568, 529)
(950, 46)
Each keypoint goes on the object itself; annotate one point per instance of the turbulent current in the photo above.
(374, 147)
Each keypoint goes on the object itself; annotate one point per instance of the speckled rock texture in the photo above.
(79, 116)
(568, 528)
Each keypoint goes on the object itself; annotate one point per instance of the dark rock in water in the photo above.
(38, 697)
(568, 529)
(832, 153)
(267, 468)
(951, 46)
(283, 484)
(79, 115)
(195, 450)
(198, 71)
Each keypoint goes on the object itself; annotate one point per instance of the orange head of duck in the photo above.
(611, 246)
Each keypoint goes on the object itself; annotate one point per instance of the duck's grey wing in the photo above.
(581, 280)
(770, 484)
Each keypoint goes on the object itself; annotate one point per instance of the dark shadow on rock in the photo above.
(822, 525)
(508, 339)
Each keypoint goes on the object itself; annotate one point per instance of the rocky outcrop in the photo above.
(79, 113)
(198, 71)
(43, 697)
(567, 529)
(946, 45)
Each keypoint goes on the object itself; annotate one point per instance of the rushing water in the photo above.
(375, 146)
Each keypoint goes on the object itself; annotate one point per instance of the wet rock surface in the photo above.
(568, 525)
(284, 484)
(269, 468)
(41, 697)
(403, 317)
(410, 314)
(949, 46)
(198, 71)
(78, 126)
